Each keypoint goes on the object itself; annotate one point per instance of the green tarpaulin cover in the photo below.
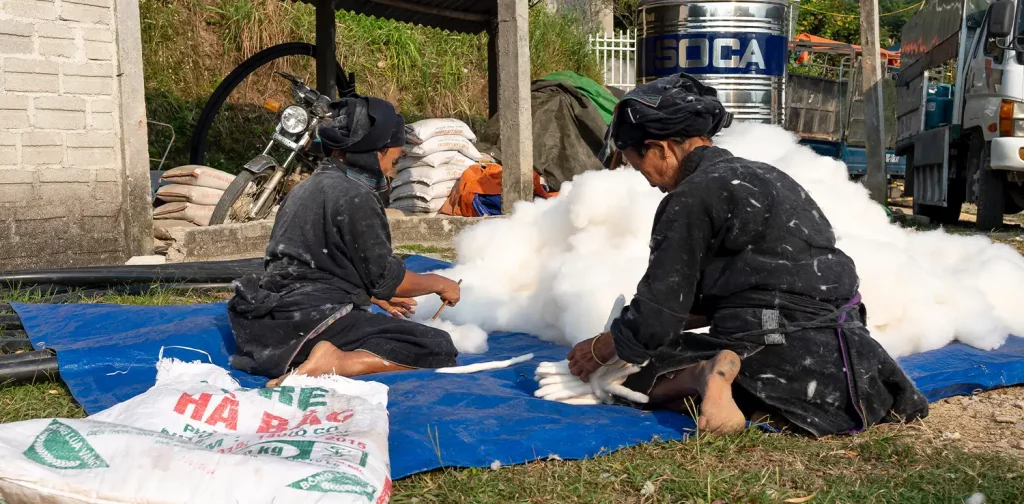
(603, 99)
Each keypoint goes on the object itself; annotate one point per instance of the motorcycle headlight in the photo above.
(294, 119)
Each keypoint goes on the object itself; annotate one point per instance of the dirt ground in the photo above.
(988, 422)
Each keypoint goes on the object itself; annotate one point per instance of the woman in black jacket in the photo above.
(742, 245)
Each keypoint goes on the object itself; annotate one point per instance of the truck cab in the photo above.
(960, 109)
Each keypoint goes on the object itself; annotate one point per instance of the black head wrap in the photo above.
(677, 106)
(362, 126)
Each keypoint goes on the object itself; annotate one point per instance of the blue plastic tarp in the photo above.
(108, 353)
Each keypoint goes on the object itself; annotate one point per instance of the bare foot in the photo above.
(325, 358)
(718, 411)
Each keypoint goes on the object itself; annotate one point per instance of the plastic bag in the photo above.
(429, 128)
(198, 437)
(197, 175)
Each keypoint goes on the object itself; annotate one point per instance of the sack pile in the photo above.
(437, 152)
(191, 194)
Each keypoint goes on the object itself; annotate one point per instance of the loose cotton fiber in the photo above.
(555, 267)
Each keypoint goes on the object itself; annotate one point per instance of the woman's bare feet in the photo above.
(718, 411)
(325, 358)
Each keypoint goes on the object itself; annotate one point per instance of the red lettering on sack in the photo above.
(385, 493)
(340, 416)
(272, 423)
(199, 405)
(309, 419)
(226, 413)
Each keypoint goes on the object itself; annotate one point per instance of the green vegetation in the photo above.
(886, 464)
(190, 45)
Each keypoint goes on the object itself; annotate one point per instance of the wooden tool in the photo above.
(441, 309)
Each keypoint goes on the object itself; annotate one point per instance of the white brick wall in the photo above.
(62, 182)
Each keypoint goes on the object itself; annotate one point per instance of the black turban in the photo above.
(677, 106)
(363, 125)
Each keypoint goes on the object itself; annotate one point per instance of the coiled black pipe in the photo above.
(10, 322)
(214, 272)
(28, 367)
(13, 343)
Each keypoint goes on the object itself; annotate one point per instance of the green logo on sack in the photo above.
(336, 482)
(61, 447)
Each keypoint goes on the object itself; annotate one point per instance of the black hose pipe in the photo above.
(209, 272)
(13, 344)
(28, 367)
(10, 322)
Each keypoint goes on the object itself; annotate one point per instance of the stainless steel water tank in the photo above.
(738, 47)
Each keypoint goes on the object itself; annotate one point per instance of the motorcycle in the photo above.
(259, 188)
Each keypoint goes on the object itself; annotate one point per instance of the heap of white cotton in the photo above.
(555, 267)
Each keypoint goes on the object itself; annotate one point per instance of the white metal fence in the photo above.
(617, 56)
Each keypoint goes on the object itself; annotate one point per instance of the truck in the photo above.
(960, 109)
(825, 106)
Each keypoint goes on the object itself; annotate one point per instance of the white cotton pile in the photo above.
(468, 338)
(922, 290)
(555, 267)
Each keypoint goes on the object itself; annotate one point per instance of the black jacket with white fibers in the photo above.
(744, 244)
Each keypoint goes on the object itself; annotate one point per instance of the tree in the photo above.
(839, 19)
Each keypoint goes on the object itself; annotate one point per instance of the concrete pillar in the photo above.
(138, 210)
(514, 102)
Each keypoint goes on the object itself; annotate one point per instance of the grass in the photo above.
(883, 465)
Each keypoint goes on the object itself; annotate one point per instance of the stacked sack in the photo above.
(437, 152)
(189, 197)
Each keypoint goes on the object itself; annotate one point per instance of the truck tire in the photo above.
(989, 190)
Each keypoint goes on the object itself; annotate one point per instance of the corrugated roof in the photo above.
(466, 16)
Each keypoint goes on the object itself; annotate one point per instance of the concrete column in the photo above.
(514, 102)
(137, 212)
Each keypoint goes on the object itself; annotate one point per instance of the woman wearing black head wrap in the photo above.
(330, 257)
(740, 244)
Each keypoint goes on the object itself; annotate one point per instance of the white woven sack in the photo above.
(196, 214)
(189, 193)
(416, 205)
(452, 158)
(429, 128)
(197, 175)
(429, 176)
(446, 143)
(425, 192)
(198, 437)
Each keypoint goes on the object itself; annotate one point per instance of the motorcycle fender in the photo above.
(260, 164)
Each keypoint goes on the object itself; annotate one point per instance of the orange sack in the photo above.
(482, 180)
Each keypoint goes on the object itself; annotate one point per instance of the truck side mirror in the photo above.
(1000, 19)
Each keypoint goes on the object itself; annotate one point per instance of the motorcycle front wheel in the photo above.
(236, 203)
